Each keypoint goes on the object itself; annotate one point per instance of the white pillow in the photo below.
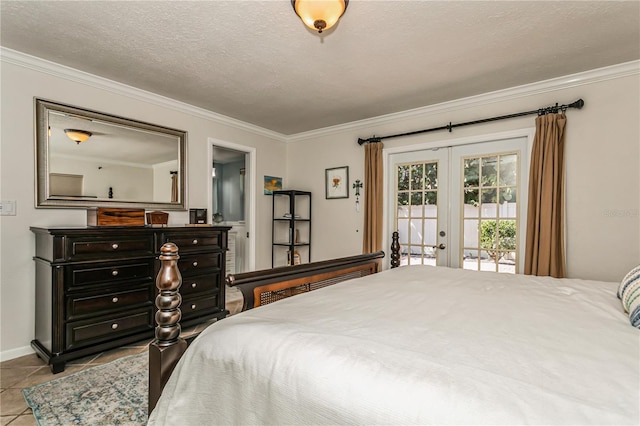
(629, 293)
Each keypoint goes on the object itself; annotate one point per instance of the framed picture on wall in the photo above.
(337, 182)
(272, 183)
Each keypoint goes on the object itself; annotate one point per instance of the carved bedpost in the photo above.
(168, 347)
(395, 249)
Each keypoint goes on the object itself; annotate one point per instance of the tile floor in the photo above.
(29, 370)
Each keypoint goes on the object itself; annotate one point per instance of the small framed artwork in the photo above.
(272, 183)
(337, 182)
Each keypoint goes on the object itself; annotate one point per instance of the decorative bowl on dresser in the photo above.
(95, 287)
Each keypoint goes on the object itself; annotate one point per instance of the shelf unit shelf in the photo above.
(293, 232)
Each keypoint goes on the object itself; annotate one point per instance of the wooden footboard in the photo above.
(258, 288)
(262, 287)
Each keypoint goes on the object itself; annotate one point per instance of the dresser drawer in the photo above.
(195, 307)
(84, 275)
(199, 284)
(195, 264)
(103, 303)
(111, 246)
(196, 241)
(90, 332)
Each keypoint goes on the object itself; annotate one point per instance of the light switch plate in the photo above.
(8, 208)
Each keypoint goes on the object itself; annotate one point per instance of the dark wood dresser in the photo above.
(95, 287)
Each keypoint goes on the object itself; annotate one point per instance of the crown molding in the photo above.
(61, 71)
(545, 86)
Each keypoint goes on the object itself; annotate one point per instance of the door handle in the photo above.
(441, 246)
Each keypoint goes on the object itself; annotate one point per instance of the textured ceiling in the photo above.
(256, 62)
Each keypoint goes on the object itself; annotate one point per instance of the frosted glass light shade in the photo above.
(319, 15)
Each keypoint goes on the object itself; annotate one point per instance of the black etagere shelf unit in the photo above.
(291, 228)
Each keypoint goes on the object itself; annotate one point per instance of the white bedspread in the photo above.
(417, 345)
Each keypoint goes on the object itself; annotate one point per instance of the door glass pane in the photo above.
(487, 261)
(403, 178)
(431, 197)
(430, 231)
(470, 238)
(489, 171)
(508, 262)
(507, 235)
(429, 257)
(416, 176)
(508, 169)
(416, 231)
(489, 207)
(431, 176)
(403, 199)
(470, 260)
(403, 231)
(403, 211)
(471, 170)
(471, 203)
(416, 199)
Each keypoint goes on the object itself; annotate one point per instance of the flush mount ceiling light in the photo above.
(77, 135)
(319, 15)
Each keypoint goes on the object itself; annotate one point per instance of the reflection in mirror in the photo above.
(90, 159)
(229, 171)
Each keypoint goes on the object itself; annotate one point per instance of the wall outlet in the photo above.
(8, 208)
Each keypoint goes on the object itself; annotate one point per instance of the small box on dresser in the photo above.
(104, 216)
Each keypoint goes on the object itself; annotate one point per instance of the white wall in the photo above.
(162, 180)
(602, 164)
(99, 177)
(24, 78)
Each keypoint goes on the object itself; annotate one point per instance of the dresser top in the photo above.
(120, 229)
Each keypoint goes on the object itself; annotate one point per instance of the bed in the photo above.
(416, 345)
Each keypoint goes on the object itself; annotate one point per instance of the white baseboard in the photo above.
(15, 353)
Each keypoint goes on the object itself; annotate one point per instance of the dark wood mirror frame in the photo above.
(140, 136)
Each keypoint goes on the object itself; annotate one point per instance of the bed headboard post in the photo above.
(395, 249)
(168, 347)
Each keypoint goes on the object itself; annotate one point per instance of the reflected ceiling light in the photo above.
(319, 15)
(77, 135)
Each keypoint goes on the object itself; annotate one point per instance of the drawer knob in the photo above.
(193, 306)
(114, 300)
(194, 242)
(114, 325)
(195, 263)
(114, 246)
(194, 285)
(115, 272)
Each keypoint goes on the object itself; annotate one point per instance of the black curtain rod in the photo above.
(541, 111)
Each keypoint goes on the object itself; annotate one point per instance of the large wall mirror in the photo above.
(90, 159)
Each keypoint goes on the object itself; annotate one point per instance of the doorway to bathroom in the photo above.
(232, 195)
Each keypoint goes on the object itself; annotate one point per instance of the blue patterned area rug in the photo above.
(108, 394)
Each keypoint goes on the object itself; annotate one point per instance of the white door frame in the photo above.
(528, 132)
(250, 251)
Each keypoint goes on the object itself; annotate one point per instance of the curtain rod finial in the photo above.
(577, 104)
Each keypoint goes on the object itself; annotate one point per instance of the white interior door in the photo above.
(461, 206)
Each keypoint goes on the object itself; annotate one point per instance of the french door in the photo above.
(461, 206)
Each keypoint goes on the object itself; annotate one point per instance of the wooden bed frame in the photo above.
(258, 288)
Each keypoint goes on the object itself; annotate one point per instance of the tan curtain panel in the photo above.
(372, 236)
(544, 253)
(174, 187)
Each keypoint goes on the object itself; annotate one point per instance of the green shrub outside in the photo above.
(496, 244)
